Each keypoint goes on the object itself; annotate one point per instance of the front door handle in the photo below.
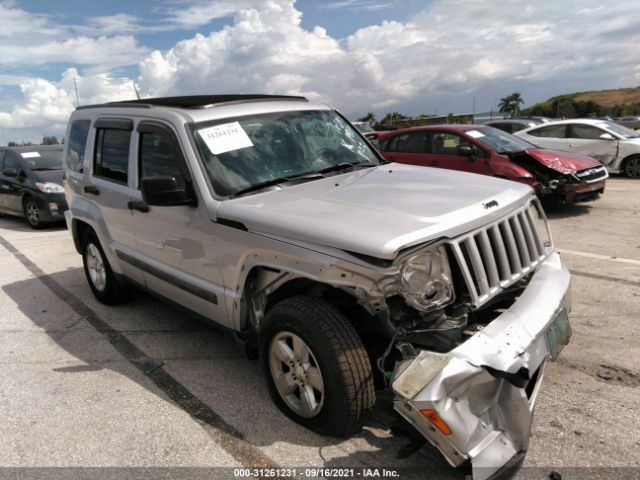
(137, 205)
(91, 189)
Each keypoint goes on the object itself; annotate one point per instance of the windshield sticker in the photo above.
(30, 154)
(225, 138)
(475, 133)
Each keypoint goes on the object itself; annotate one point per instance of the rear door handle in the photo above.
(136, 205)
(91, 189)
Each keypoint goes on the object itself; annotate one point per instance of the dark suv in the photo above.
(31, 183)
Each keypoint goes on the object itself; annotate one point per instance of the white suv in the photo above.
(275, 218)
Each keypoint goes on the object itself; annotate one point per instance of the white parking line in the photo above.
(599, 257)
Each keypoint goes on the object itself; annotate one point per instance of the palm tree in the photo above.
(511, 104)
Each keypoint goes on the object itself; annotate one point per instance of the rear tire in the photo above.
(104, 284)
(32, 213)
(631, 167)
(318, 371)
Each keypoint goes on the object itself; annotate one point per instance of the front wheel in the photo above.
(631, 167)
(33, 214)
(318, 371)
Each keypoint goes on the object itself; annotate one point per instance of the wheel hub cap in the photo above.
(96, 267)
(296, 374)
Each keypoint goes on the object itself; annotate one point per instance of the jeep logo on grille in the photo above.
(491, 204)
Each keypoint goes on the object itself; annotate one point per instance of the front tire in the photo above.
(32, 213)
(104, 284)
(318, 371)
(631, 167)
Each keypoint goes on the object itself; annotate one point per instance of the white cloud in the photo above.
(441, 58)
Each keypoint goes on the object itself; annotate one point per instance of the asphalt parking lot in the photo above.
(145, 385)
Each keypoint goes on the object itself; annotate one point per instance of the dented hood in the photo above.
(563, 162)
(377, 211)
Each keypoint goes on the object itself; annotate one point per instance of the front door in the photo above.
(12, 187)
(176, 244)
(586, 140)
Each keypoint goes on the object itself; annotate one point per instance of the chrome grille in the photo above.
(594, 174)
(498, 255)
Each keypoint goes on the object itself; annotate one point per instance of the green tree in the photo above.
(49, 141)
(369, 117)
(511, 104)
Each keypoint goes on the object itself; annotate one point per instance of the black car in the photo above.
(31, 183)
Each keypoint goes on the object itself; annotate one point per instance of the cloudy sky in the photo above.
(415, 56)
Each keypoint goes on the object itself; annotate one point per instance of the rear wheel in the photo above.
(33, 213)
(631, 167)
(318, 371)
(104, 284)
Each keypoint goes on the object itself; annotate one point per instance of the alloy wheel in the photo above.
(296, 374)
(96, 267)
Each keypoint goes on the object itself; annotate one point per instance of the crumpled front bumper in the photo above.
(485, 389)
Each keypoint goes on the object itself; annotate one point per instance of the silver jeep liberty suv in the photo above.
(273, 217)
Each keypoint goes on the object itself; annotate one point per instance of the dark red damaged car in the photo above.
(561, 176)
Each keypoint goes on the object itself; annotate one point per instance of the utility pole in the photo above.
(75, 84)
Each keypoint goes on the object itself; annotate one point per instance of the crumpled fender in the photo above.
(563, 162)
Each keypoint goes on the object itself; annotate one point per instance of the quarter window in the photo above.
(77, 143)
(112, 154)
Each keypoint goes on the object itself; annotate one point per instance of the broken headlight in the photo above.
(426, 280)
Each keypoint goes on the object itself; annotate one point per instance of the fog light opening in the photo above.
(53, 207)
(437, 422)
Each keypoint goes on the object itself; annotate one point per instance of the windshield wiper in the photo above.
(276, 181)
(345, 165)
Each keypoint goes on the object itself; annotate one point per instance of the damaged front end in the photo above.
(475, 402)
(564, 176)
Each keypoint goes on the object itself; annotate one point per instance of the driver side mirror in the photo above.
(607, 136)
(465, 151)
(164, 191)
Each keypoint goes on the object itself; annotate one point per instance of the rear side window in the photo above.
(554, 131)
(77, 144)
(112, 154)
(408, 143)
(158, 159)
(584, 131)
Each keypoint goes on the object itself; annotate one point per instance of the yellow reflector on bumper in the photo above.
(437, 422)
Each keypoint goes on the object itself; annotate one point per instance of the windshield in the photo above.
(242, 152)
(42, 159)
(624, 132)
(498, 140)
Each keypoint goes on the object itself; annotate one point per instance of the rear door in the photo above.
(552, 136)
(109, 187)
(409, 148)
(177, 244)
(585, 139)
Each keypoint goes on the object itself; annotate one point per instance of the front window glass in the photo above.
(50, 159)
(585, 131)
(242, 152)
(501, 142)
(157, 158)
(624, 132)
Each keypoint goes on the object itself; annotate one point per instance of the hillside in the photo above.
(615, 103)
(611, 98)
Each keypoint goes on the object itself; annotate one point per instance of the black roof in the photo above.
(193, 101)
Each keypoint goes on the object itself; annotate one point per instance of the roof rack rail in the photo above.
(193, 101)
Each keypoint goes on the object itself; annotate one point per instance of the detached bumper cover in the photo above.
(485, 389)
